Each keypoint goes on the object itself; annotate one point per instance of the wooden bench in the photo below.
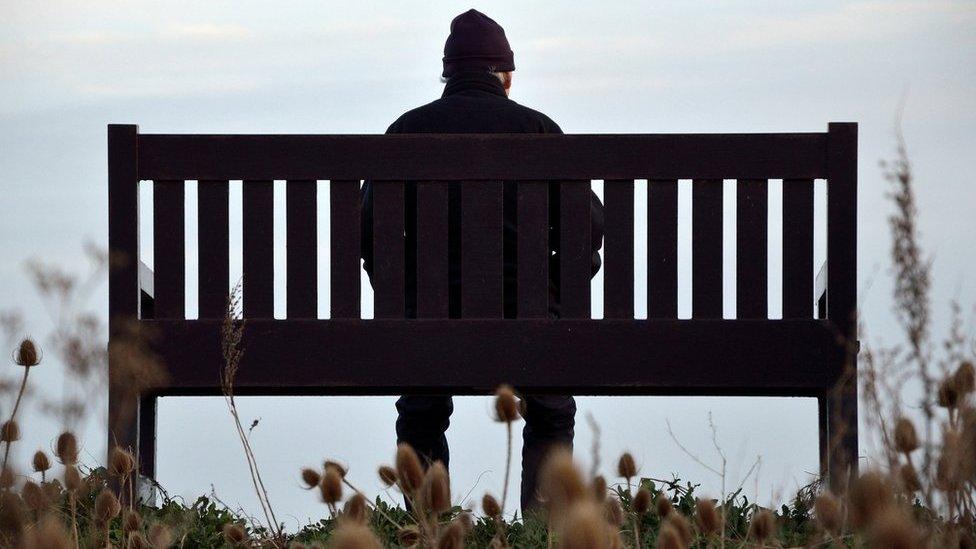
(806, 353)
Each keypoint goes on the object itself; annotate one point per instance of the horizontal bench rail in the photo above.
(488, 156)
(475, 356)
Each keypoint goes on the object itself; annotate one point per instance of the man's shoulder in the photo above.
(444, 114)
(549, 126)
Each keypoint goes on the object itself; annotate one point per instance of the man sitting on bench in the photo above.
(478, 65)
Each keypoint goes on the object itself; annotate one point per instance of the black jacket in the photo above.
(475, 103)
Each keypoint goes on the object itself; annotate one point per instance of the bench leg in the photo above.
(123, 424)
(838, 434)
(132, 426)
(823, 427)
(147, 443)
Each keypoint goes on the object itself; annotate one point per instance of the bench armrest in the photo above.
(145, 279)
(820, 291)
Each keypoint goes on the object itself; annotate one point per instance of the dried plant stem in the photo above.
(372, 505)
(637, 542)
(13, 414)
(231, 344)
(74, 519)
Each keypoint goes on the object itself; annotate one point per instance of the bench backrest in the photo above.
(572, 353)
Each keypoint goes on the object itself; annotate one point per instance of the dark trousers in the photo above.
(549, 422)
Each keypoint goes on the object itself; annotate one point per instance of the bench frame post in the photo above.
(839, 404)
(131, 416)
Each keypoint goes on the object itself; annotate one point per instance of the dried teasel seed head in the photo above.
(408, 468)
(160, 536)
(642, 501)
(354, 536)
(584, 527)
(626, 466)
(356, 509)
(829, 512)
(72, 479)
(869, 495)
(895, 529)
(490, 506)
(66, 448)
(408, 535)
(131, 521)
(948, 469)
(34, 496)
(465, 520)
(234, 533)
(387, 474)
(338, 467)
(7, 477)
(909, 478)
(965, 378)
(436, 489)
(12, 519)
(948, 393)
(49, 533)
(669, 538)
(41, 462)
(52, 489)
(682, 526)
(906, 439)
(137, 541)
(107, 506)
(561, 481)
(121, 463)
(10, 431)
(27, 354)
(613, 512)
(663, 506)
(452, 537)
(311, 477)
(599, 488)
(762, 525)
(506, 405)
(707, 517)
(331, 486)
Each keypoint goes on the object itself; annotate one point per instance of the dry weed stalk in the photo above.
(231, 342)
(27, 356)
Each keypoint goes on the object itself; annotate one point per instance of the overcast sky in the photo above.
(69, 68)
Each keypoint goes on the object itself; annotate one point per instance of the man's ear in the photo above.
(507, 81)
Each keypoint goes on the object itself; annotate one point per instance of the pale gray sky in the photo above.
(67, 69)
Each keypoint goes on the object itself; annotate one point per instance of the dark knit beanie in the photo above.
(476, 42)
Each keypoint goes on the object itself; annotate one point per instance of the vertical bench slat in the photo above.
(533, 249)
(751, 249)
(618, 261)
(574, 249)
(706, 248)
(213, 248)
(345, 236)
(481, 249)
(168, 249)
(302, 248)
(432, 264)
(662, 248)
(798, 248)
(388, 249)
(258, 252)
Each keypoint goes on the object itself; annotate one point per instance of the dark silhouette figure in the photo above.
(478, 65)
